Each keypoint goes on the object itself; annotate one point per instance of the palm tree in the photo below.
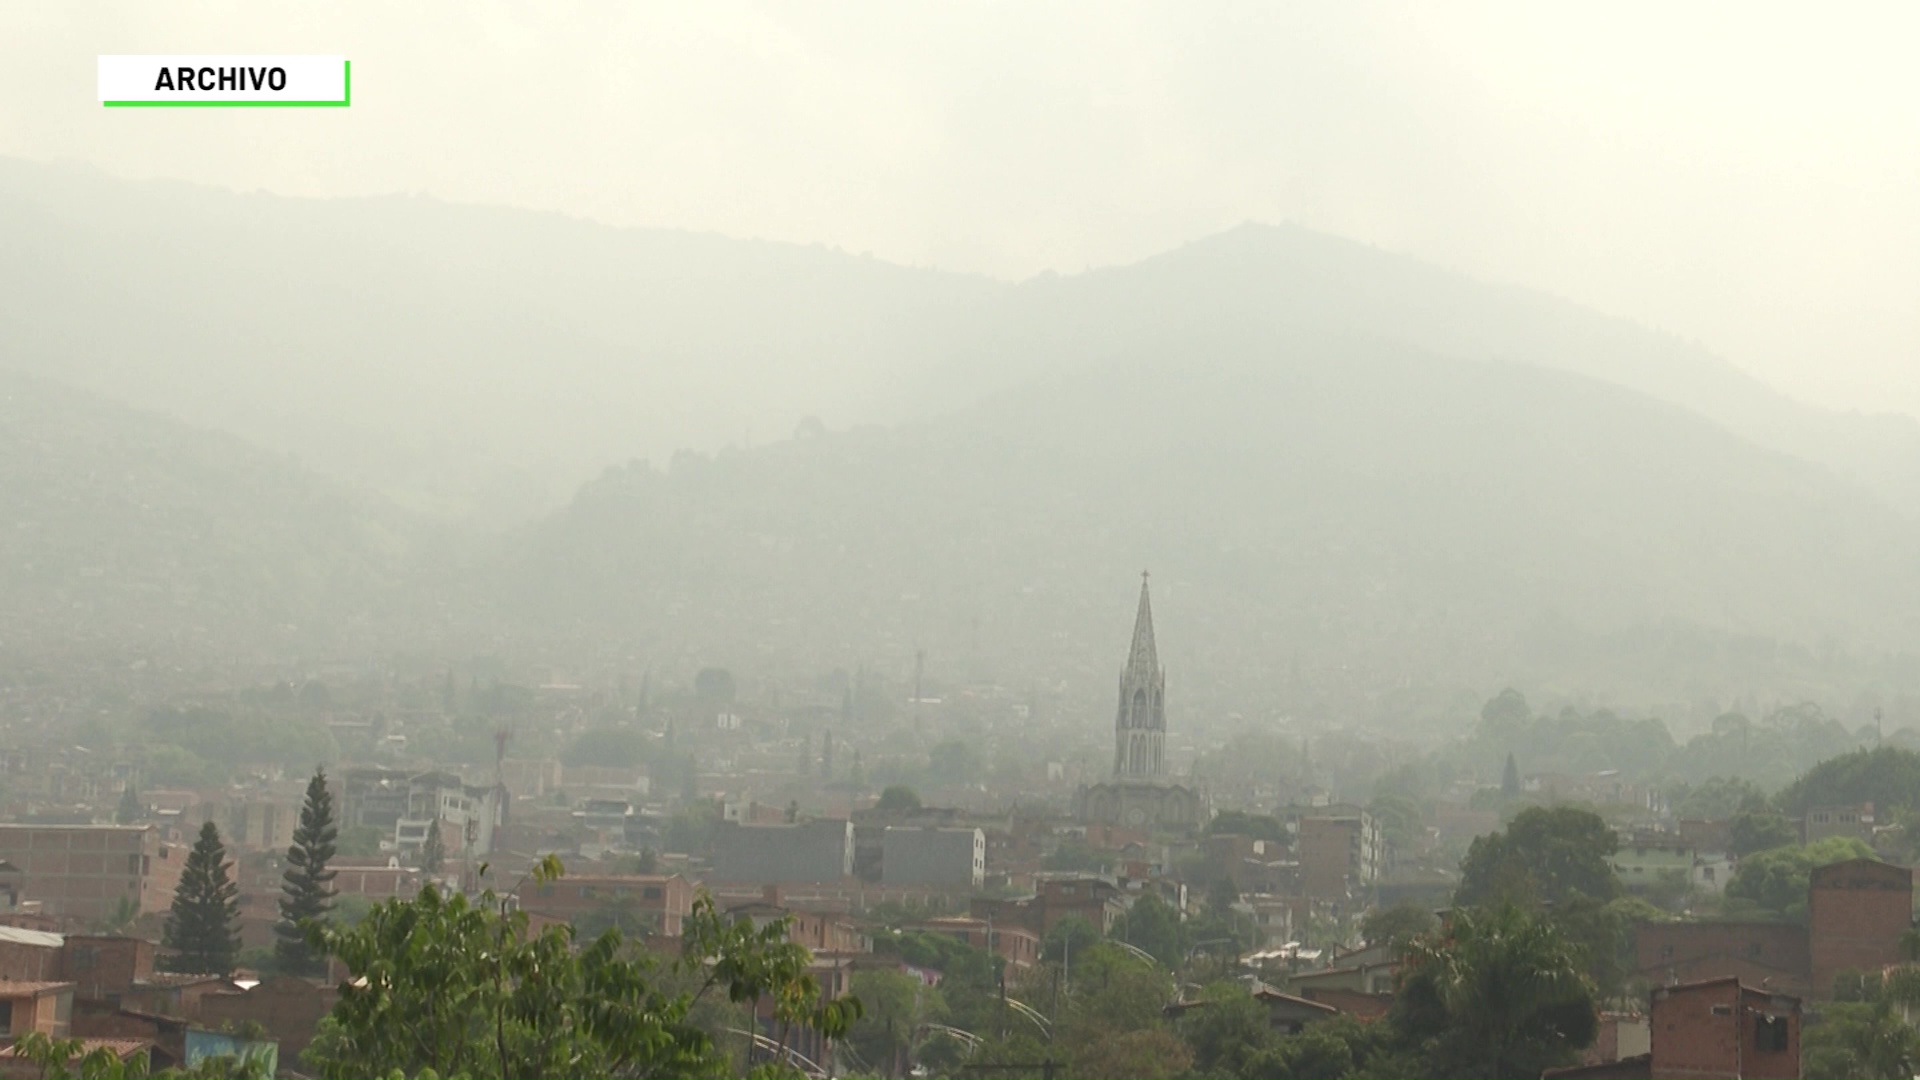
(1499, 993)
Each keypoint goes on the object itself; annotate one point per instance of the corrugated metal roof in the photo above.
(18, 936)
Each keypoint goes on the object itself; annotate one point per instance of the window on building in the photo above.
(84, 957)
(1753, 948)
(1723, 1010)
(1666, 952)
(1770, 1034)
(651, 892)
(6, 1018)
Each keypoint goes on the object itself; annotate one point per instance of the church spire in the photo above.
(1143, 660)
(1140, 725)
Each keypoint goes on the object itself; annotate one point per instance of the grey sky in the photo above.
(1741, 174)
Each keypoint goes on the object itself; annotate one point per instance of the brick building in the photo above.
(664, 898)
(1019, 946)
(821, 931)
(105, 966)
(289, 1009)
(1857, 912)
(1773, 954)
(1093, 897)
(1341, 853)
(1719, 1027)
(83, 872)
(40, 1005)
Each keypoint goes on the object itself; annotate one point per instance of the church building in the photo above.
(1140, 795)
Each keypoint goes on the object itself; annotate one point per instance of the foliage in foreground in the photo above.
(441, 986)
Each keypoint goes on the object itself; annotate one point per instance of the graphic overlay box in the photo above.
(226, 82)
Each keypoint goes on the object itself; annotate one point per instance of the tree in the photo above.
(1396, 926)
(954, 762)
(898, 799)
(1546, 854)
(1886, 776)
(433, 853)
(1505, 716)
(465, 988)
(1510, 778)
(307, 886)
(70, 1059)
(1070, 935)
(1498, 994)
(1860, 1038)
(1753, 831)
(1241, 823)
(1777, 880)
(360, 840)
(131, 809)
(1152, 925)
(892, 1005)
(714, 686)
(201, 929)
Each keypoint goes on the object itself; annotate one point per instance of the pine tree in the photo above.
(1510, 779)
(131, 808)
(433, 853)
(201, 929)
(306, 887)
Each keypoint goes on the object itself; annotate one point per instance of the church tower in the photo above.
(1140, 795)
(1140, 726)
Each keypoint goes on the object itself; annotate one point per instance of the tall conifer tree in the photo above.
(433, 853)
(307, 886)
(202, 932)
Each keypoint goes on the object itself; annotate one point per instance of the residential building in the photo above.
(1852, 821)
(1857, 913)
(44, 1006)
(1342, 852)
(664, 900)
(1719, 1028)
(85, 872)
(933, 856)
(808, 852)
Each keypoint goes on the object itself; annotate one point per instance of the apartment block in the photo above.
(84, 872)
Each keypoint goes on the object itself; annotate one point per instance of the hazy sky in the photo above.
(1741, 174)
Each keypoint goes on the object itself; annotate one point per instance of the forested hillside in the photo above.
(1327, 518)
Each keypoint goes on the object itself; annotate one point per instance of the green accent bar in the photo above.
(341, 104)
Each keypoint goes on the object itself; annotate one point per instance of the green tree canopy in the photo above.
(1777, 879)
(1500, 993)
(1886, 776)
(463, 988)
(1070, 935)
(1760, 830)
(898, 799)
(1545, 855)
(1396, 926)
(1241, 823)
(1152, 925)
